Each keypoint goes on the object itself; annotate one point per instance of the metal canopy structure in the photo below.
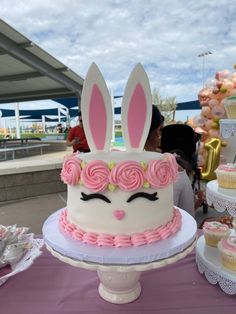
(4, 113)
(28, 73)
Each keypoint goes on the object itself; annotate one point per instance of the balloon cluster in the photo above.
(211, 99)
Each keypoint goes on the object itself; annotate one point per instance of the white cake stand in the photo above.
(227, 127)
(208, 263)
(221, 199)
(208, 258)
(119, 269)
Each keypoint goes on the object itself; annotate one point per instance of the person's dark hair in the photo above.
(182, 160)
(157, 119)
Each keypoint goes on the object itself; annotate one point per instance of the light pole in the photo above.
(203, 55)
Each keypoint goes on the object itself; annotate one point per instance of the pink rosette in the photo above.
(128, 175)
(95, 176)
(71, 170)
(173, 165)
(159, 173)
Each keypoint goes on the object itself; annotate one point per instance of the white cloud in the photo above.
(165, 36)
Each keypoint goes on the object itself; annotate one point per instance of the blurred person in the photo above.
(76, 138)
(59, 128)
(66, 130)
(183, 192)
(153, 140)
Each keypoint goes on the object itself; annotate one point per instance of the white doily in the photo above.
(26, 261)
(208, 263)
(226, 284)
(221, 199)
(227, 127)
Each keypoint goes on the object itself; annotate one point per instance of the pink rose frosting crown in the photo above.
(129, 175)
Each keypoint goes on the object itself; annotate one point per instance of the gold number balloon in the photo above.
(213, 146)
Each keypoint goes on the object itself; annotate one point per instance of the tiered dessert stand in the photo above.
(119, 269)
(208, 258)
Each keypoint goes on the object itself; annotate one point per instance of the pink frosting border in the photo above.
(138, 239)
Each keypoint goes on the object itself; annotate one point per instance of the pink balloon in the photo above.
(234, 81)
(233, 92)
(219, 84)
(218, 112)
(229, 85)
(213, 133)
(206, 112)
(211, 83)
(204, 96)
(213, 102)
(198, 121)
(222, 74)
(208, 124)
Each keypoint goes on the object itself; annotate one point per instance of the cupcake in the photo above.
(214, 231)
(227, 248)
(234, 224)
(226, 176)
(230, 107)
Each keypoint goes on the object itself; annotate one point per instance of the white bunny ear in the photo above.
(136, 110)
(96, 110)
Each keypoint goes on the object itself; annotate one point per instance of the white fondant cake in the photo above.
(119, 198)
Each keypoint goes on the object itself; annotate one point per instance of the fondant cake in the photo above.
(119, 198)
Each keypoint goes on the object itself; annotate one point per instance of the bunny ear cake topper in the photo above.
(96, 110)
(136, 110)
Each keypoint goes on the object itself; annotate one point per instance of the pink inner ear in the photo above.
(97, 118)
(137, 116)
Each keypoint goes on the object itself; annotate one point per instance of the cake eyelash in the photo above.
(87, 197)
(150, 197)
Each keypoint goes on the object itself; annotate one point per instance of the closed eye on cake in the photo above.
(87, 197)
(149, 196)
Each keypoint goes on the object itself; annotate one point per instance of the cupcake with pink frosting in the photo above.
(214, 231)
(226, 175)
(227, 248)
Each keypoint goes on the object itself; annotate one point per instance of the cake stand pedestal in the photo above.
(119, 269)
(208, 263)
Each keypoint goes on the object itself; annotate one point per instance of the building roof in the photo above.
(27, 72)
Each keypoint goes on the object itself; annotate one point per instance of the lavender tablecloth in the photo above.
(52, 287)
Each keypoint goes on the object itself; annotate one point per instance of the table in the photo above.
(52, 287)
(26, 148)
(17, 141)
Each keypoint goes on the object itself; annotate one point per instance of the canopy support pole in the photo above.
(17, 117)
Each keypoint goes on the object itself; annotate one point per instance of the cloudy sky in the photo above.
(165, 36)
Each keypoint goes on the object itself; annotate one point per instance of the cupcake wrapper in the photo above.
(228, 261)
(227, 181)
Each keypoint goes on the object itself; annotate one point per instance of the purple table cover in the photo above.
(52, 287)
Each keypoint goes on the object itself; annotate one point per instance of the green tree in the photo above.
(167, 106)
